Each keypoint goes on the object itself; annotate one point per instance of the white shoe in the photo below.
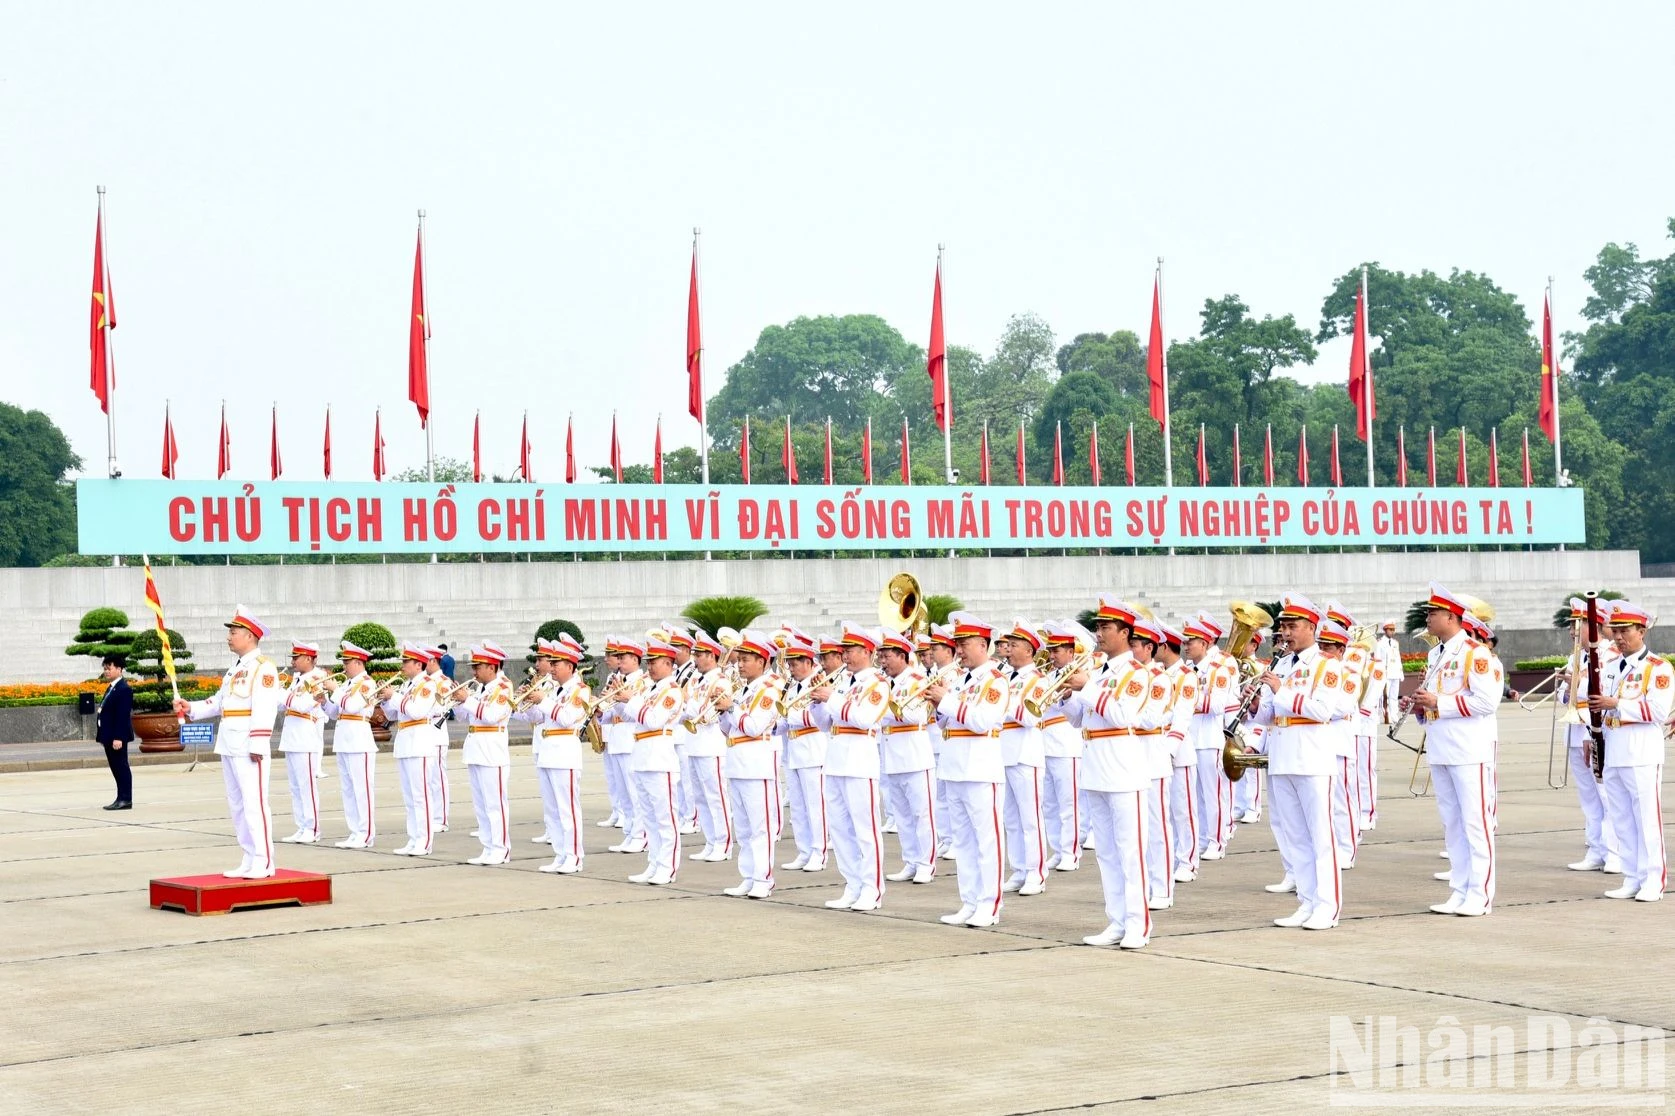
(609, 823)
(553, 867)
(924, 874)
(494, 860)
(347, 843)
(718, 855)
(982, 920)
(1185, 875)
(889, 826)
(1613, 866)
(1624, 892)
(815, 866)
(1251, 817)
(946, 852)
(843, 903)
(570, 867)
(1648, 894)
(1087, 842)
(1211, 854)
(687, 829)
(1016, 883)
(258, 874)
(1067, 865)
(642, 877)
(1346, 866)
(1472, 911)
(292, 839)
(1453, 905)
(307, 839)
(796, 865)
(1109, 936)
(661, 878)
(760, 890)
(1443, 876)
(738, 892)
(898, 877)
(1133, 941)
(1296, 918)
(1034, 885)
(870, 900)
(473, 833)
(1284, 887)
(1586, 864)
(541, 839)
(958, 917)
(1320, 920)
(1443, 853)
(1159, 903)
(629, 847)
(405, 850)
(440, 828)
(1053, 861)
(480, 858)
(238, 873)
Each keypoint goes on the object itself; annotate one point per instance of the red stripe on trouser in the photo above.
(1000, 857)
(575, 820)
(1075, 808)
(313, 796)
(825, 833)
(1167, 853)
(726, 807)
(877, 841)
(1191, 811)
(674, 828)
(505, 835)
(930, 817)
(1349, 815)
(1488, 837)
(267, 837)
(1224, 788)
(1337, 874)
(366, 773)
(767, 842)
(1040, 828)
(424, 769)
(1140, 834)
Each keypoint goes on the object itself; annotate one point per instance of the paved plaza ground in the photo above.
(436, 986)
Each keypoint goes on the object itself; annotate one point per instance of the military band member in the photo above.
(1144, 637)
(653, 765)
(908, 776)
(437, 734)
(409, 709)
(706, 748)
(1023, 754)
(1601, 852)
(1638, 693)
(302, 739)
(528, 711)
(619, 749)
(1457, 702)
(749, 719)
(851, 709)
(971, 709)
(246, 703)
(686, 806)
(1183, 780)
(1217, 698)
(1388, 652)
(805, 759)
(1368, 716)
(1061, 744)
(1297, 708)
(1480, 630)
(1333, 641)
(615, 774)
(944, 659)
(1110, 704)
(557, 708)
(831, 656)
(351, 702)
(487, 712)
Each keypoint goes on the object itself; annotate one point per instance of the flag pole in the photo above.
(1367, 372)
(1558, 453)
(110, 361)
(703, 427)
(947, 397)
(1168, 418)
(424, 339)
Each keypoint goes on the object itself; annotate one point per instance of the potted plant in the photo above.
(714, 613)
(384, 664)
(154, 720)
(103, 631)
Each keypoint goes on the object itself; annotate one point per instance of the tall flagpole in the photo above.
(947, 396)
(1558, 455)
(1367, 372)
(424, 339)
(1168, 418)
(110, 358)
(703, 427)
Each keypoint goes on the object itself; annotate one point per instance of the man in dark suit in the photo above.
(115, 729)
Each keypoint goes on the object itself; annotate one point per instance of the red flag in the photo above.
(983, 465)
(570, 450)
(1058, 454)
(866, 454)
(1549, 408)
(1128, 456)
(906, 458)
(1401, 457)
(1020, 455)
(694, 346)
(616, 452)
(1303, 457)
(1337, 469)
(378, 444)
(327, 452)
(1203, 459)
(1431, 458)
(744, 451)
(1268, 456)
(171, 452)
(1460, 476)
(102, 378)
(1238, 462)
(657, 454)
(1361, 368)
(788, 455)
(418, 332)
(524, 465)
(1093, 455)
(936, 360)
(224, 455)
(828, 449)
(1157, 370)
(1494, 457)
(275, 468)
(477, 447)
(1529, 478)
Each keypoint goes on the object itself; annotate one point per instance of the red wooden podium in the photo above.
(216, 894)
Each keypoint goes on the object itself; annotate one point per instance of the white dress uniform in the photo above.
(488, 762)
(752, 782)
(1061, 786)
(357, 754)
(409, 710)
(654, 769)
(1300, 745)
(804, 749)
(686, 805)
(704, 752)
(1388, 653)
(1118, 720)
(1217, 699)
(1602, 852)
(910, 778)
(302, 738)
(530, 714)
(619, 783)
(1160, 837)
(1182, 680)
(1644, 686)
(971, 769)
(247, 703)
(436, 731)
(1460, 746)
(1346, 814)
(558, 718)
(851, 716)
(1024, 755)
(1368, 718)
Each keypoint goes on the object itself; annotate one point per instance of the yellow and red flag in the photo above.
(155, 604)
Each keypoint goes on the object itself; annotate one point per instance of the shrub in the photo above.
(714, 613)
(380, 641)
(103, 632)
(1561, 615)
(145, 661)
(938, 606)
(1546, 662)
(552, 629)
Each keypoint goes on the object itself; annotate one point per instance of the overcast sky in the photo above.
(264, 171)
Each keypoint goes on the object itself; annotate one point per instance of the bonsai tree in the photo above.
(145, 661)
(380, 642)
(552, 629)
(104, 631)
(714, 613)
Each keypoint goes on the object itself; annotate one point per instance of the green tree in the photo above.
(40, 514)
(1117, 358)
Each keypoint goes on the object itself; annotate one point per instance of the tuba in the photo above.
(901, 606)
(1248, 619)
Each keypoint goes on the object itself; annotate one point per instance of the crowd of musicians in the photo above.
(1007, 752)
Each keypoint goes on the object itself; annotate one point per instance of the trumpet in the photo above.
(1058, 681)
(535, 688)
(728, 682)
(805, 699)
(941, 676)
(318, 682)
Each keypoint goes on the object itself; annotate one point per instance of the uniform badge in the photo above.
(1348, 684)
(991, 694)
(1662, 682)
(875, 698)
(1331, 678)
(267, 680)
(1480, 666)
(1157, 692)
(1135, 689)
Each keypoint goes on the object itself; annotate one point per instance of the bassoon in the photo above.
(1596, 716)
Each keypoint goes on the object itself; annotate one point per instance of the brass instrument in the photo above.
(534, 688)
(1248, 619)
(1057, 680)
(1419, 751)
(805, 699)
(916, 692)
(317, 682)
(617, 688)
(1235, 761)
(728, 682)
(901, 606)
